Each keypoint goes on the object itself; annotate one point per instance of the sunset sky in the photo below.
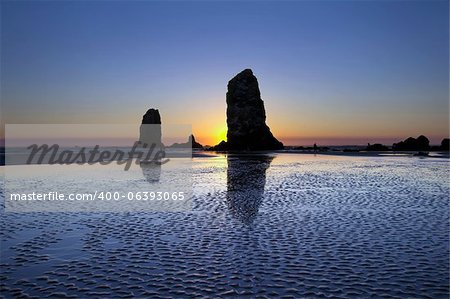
(331, 72)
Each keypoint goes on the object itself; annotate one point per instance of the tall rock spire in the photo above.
(246, 116)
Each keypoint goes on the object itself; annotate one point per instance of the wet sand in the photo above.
(278, 225)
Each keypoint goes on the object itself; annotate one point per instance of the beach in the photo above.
(271, 225)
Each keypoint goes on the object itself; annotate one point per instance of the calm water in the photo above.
(283, 225)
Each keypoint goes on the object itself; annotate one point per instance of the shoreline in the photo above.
(212, 154)
(434, 154)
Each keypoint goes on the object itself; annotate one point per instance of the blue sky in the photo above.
(333, 71)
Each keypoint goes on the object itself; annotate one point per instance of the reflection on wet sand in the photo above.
(151, 171)
(246, 178)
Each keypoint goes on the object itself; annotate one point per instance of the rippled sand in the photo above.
(283, 225)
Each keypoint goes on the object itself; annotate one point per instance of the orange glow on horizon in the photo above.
(211, 137)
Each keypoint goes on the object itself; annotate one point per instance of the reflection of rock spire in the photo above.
(151, 171)
(246, 179)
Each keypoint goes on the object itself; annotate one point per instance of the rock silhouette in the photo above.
(150, 141)
(378, 147)
(412, 144)
(445, 144)
(222, 146)
(194, 143)
(150, 129)
(151, 117)
(191, 143)
(246, 116)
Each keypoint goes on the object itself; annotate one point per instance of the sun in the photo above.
(221, 133)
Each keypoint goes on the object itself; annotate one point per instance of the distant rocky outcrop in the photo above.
(420, 143)
(445, 144)
(222, 146)
(377, 147)
(246, 116)
(194, 143)
(150, 129)
(190, 143)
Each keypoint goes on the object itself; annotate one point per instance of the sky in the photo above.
(331, 72)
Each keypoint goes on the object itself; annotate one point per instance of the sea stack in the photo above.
(246, 116)
(194, 143)
(150, 130)
(191, 143)
(151, 117)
